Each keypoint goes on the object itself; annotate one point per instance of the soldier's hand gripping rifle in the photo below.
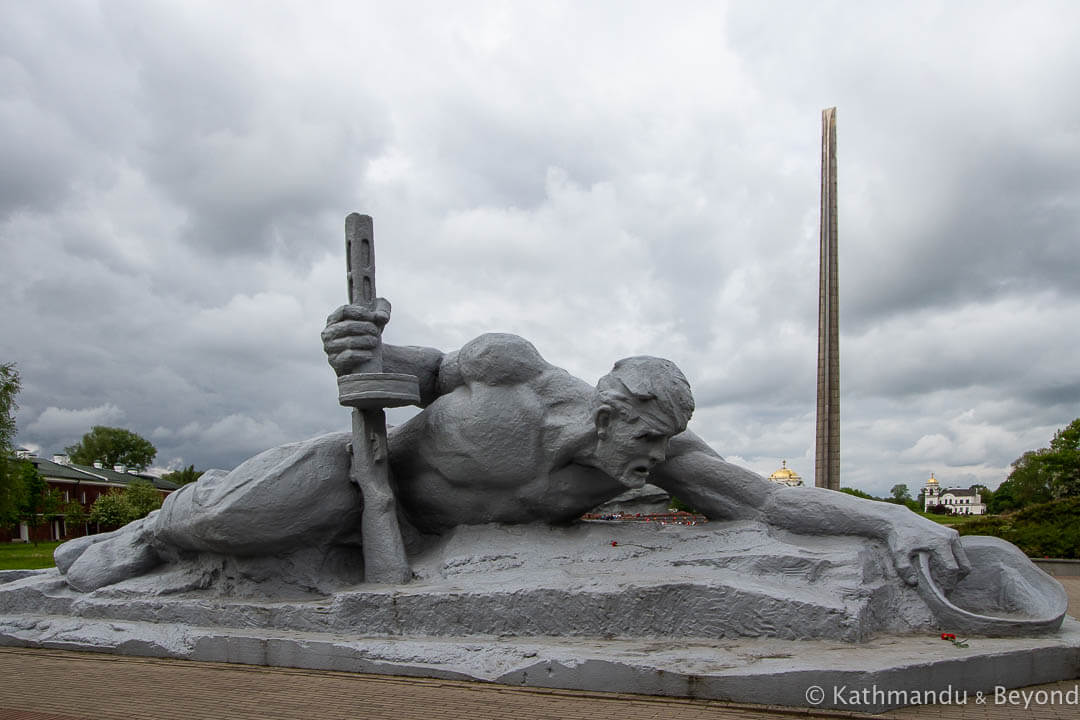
(367, 389)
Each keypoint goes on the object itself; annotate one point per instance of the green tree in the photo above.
(1045, 530)
(985, 493)
(12, 491)
(112, 446)
(40, 503)
(143, 497)
(1003, 500)
(183, 477)
(111, 510)
(900, 494)
(1063, 461)
(32, 502)
(75, 515)
(9, 388)
(1039, 476)
(119, 507)
(52, 505)
(1027, 484)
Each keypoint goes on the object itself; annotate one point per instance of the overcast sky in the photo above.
(604, 179)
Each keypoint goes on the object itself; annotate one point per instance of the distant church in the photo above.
(786, 476)
(958, 501)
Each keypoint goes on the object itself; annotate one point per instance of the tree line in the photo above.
(1036, 477)
(1043, 475)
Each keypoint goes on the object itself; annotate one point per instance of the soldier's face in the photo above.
(627, 449)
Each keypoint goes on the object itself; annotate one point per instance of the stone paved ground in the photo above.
(60, 685)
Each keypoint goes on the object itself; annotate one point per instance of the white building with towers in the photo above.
(958, 501)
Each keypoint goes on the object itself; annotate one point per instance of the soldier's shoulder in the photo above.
(500, 359)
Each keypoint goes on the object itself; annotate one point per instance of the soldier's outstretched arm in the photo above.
(696, 474)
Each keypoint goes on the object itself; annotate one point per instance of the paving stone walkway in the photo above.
(38, 684)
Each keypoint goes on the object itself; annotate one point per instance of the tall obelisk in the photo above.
(827, 456)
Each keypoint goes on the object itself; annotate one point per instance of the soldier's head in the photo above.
(638, 407)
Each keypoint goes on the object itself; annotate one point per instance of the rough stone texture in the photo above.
(722, 580)
(103, 563)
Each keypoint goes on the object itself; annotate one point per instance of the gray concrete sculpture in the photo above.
(504, 438)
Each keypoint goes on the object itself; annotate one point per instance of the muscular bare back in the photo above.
(499, 446)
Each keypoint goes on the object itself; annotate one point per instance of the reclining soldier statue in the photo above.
(506, 440)
(503, 437)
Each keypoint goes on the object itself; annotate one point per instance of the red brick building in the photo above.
(82, 484)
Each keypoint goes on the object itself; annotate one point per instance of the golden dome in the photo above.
(932, 480)
(784, 474)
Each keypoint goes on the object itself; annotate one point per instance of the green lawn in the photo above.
(25, 556)
(951, 520)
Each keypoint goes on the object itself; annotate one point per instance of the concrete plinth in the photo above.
(887, 672)
(727, 611)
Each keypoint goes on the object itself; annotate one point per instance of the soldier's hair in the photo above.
(650, 388)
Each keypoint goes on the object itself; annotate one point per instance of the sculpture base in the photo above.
(888, 672)
(723, 611)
